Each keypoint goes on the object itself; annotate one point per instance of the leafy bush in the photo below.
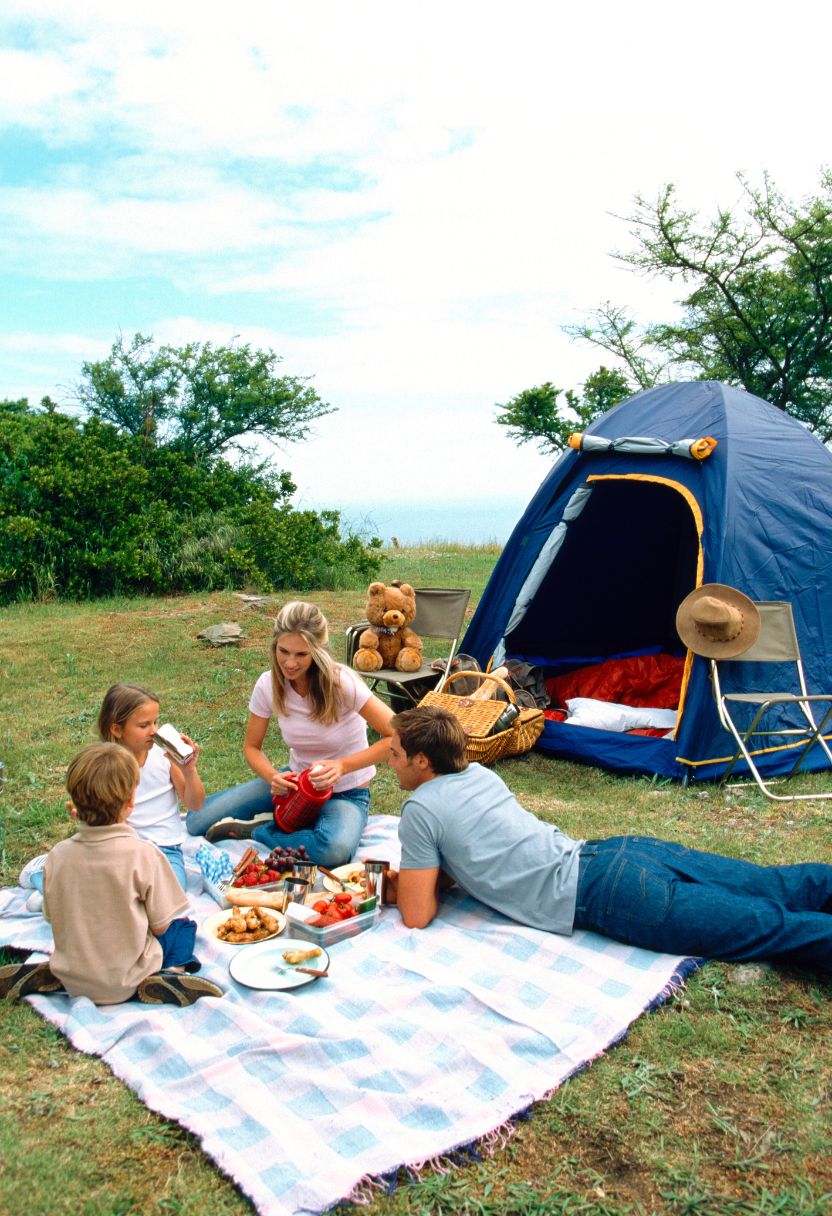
(88, 511)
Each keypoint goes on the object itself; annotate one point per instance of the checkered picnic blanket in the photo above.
(417, 1043)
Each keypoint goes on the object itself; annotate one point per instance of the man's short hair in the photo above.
(434, 732)
(100, 780)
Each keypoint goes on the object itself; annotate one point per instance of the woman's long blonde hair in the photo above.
(307, 620)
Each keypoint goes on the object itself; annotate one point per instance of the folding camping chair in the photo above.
(440, 613)
(776, 644)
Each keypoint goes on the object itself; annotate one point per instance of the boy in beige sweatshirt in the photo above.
(113, 902)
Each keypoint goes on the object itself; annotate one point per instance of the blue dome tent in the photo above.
(624, 528)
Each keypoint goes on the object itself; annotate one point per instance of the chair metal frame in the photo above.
(777, 643)
(440, 613)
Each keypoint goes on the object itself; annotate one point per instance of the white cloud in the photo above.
(432, 183)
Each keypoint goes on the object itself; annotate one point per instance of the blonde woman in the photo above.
(322, 709)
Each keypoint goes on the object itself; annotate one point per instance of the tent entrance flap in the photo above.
(624, 564)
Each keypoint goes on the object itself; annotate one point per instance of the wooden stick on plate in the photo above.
(334, 877)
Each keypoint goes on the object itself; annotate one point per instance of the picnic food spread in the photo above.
(258, 893)
(278, 866)
(247, 925)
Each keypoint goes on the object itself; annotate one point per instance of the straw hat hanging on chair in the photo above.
(717, 621)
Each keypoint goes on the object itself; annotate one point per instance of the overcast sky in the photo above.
(406, 202)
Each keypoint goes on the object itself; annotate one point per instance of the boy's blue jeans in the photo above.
(664, 897)
(331, 841)
(177, 944)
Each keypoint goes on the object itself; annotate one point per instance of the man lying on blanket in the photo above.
(461, 824)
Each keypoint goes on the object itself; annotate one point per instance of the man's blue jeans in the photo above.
(332, 841)
(664, 897)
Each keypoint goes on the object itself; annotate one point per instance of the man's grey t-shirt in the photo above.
(471, 825)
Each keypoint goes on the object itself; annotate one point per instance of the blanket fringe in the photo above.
(373, 1186)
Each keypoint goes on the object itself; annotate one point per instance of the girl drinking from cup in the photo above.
(129, 715)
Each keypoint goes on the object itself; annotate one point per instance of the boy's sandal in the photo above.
(175, 988)
(22, 979)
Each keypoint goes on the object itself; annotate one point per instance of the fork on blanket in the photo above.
(224, 883)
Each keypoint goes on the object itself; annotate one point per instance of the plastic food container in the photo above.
(328, 935)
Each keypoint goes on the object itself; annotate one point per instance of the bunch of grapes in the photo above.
(283, 859)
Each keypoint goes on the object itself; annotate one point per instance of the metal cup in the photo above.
(376, 874)
(307, 870)
(297, 889)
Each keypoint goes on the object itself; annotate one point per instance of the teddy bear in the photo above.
(388, 642)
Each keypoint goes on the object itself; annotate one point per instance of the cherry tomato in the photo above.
(343, 897)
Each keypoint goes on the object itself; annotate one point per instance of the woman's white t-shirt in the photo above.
(156, 816)
(309, 740)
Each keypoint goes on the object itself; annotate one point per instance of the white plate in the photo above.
(342, 872)
(211, 923)
(263, 966)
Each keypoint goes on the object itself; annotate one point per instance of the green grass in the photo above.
(717, 1103)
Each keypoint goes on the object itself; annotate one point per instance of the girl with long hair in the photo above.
(129, 715)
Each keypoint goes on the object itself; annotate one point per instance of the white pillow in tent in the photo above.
(607, 715)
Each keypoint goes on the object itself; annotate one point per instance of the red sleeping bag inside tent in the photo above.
(644, 680)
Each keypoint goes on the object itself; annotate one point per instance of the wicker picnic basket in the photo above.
(478, 718)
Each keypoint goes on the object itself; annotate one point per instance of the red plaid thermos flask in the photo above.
(300, 807)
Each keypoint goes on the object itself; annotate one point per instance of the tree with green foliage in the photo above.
(87, 510)
(536, 414)
(758, 308)
(200, 398)
(757, 313)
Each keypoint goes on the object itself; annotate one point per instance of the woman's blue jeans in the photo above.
(664, 897)
(332, 841)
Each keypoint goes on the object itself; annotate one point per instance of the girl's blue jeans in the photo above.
(664, 897)
(176, 858)
(332, 841)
